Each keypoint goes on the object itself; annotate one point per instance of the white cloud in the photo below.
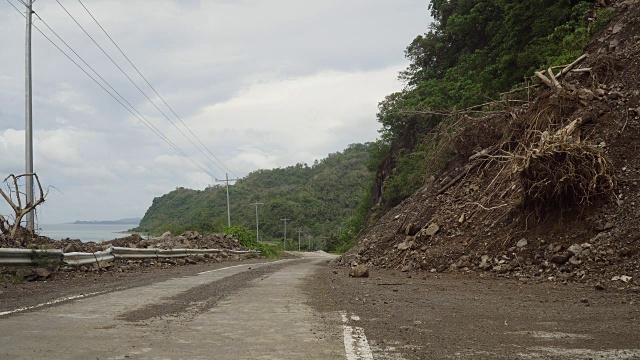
(263, 83)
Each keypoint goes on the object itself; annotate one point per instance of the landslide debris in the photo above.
(187, 240)
(555, 198)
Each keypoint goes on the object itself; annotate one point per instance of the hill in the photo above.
(318, 199)
(539, 184)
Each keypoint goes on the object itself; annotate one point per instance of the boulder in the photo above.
(359, 271)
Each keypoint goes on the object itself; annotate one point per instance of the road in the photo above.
(247, 311)
(301, 308)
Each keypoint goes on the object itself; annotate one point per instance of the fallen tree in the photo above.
(13, 197)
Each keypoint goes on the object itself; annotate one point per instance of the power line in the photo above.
(137, 87)
(148, 125)
(154, 90)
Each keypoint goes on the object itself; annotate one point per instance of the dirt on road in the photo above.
(453, 316)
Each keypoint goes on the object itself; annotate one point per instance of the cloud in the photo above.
(262, 83)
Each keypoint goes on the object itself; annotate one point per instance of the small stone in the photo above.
(335, 272)
(42, 273)
(462, 219)
(575, 249)
(522, 243)
(561, 258)
(180, 261)
(432, 229)
(616, 29)
(600, 286)
(359, 271)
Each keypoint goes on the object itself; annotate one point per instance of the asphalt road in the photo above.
(300, 308)
(247, 311)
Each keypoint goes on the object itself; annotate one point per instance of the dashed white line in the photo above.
(235, 266)
(356, 345)
(52, 302)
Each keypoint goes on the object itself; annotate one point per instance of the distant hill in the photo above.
(127, 221)
(318, 199)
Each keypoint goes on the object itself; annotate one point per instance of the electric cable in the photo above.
(140, 118)
(136, 85)
(152, 88)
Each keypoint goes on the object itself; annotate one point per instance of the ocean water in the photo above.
(85, 232)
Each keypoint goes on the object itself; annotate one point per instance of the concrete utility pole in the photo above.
(256, 205)
(284, 241)
(299, 232)
(28, 120)
(309, 242)
(228, 206)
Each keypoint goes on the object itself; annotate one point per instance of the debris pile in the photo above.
(553, 194)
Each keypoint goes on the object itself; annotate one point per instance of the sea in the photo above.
(86, 232)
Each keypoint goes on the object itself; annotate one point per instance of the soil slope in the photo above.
(508, 213)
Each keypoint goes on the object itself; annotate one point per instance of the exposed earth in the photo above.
(545, 191)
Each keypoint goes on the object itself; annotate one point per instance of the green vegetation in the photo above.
(319, 199)
(474, 51)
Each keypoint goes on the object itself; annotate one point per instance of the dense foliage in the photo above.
(475, 50)
(319, 199)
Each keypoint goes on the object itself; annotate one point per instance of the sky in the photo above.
(263, 84)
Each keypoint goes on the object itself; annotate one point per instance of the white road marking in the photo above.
(235, 266)
(355, 341)
(80, 296)
(72, 297)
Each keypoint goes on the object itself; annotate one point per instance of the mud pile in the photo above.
(557, 198)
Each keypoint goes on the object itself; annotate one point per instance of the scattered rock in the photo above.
(561, 257)
(359, 271)
(431, 230)
(522, 243)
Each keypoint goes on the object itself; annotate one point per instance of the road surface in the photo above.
(300, 308)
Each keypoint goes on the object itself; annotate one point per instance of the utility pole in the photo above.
(256, 205)
(299, 232)
(228, 206)
(309, 242)
(284, 241)
(28, 120)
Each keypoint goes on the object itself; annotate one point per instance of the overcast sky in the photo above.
(262, 83)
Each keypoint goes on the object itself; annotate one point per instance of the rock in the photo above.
(462, 218)
(522, 243)
(613, 45)
(575, 249)
(190, 260)
(133, 245)
(70, 248)
(335, 271)
(359, 271)
(600, 286)
(101, 265)
(166, 235)
(405, 245)
(484, 262)
(561, 258)
(616, 29)
(431, 230)
(42, 273)
(180, 261)
(623, 278)
(405, 268)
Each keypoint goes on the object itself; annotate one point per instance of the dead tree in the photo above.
(17, 206)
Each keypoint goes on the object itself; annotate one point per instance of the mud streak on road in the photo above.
(201, 298)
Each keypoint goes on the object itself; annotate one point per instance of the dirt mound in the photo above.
(556, 198)
(188, 240)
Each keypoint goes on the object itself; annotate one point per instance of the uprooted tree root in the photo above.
(563, 173)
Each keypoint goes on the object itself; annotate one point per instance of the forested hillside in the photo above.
(319, 199)
(474, 51)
